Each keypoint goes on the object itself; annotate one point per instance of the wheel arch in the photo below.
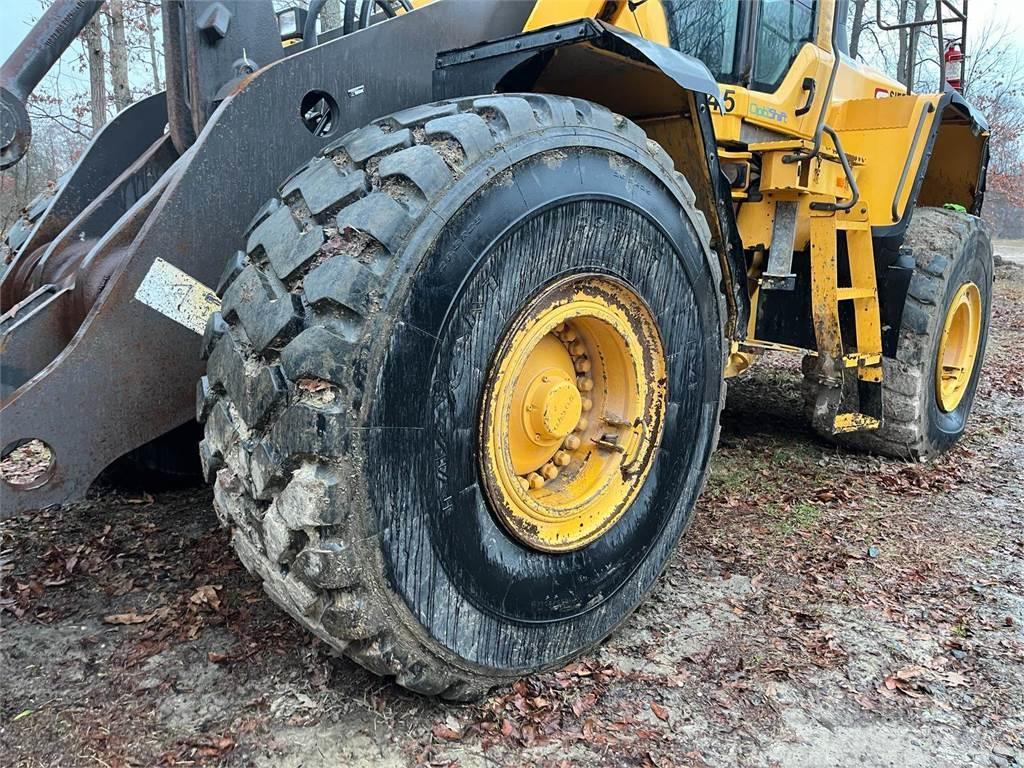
(957, 168)
(952, 168)
(666, 92)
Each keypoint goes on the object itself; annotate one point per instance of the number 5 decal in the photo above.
(728, 101)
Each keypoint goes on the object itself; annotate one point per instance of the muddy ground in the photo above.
(825, 609)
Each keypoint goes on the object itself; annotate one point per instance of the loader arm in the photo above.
(128, 373)
(27, 66)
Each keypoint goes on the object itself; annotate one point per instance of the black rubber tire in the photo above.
(950, 249)
(343, 382)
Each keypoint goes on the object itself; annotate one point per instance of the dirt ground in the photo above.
(825, 609)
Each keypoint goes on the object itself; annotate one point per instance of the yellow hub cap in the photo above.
(572, 413)
(958, 347)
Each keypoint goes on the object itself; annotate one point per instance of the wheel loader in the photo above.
(454, 291)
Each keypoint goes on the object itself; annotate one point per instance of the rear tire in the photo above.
(951, 250)
(346, 374)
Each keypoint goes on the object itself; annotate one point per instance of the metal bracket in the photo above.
(779, 275)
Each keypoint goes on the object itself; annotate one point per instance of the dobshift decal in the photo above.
(769, 113)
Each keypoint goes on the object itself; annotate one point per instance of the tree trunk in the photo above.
(901, 58)
(858, 26)
(92, 36)
(915, 38)
(154, 60)
(118, 55)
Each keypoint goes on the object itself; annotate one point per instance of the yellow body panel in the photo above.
(885, 139)
(647, 20)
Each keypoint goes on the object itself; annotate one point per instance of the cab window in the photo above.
(783, 28)
(706, 29)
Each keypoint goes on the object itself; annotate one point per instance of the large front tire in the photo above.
(348, 371)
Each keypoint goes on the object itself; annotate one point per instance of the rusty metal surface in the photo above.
(114, 149)
(32, 336)
(71, 272)
(49, 264)
(129, 373)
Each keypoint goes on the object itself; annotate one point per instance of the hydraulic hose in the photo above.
(350, 21)
(309, 30)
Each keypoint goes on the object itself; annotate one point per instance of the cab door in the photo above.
(766, 54)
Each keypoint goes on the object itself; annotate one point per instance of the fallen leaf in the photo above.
(659, 711)
(207, 595)
(446, 733)
(128, 618)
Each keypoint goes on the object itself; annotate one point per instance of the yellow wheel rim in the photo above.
(958, 347)
(572, 412)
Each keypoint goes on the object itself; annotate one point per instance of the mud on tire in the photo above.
(950, 249)
(344, 374)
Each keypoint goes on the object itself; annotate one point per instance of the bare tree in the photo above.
(857, 27)
(154, 59)
(118, 45)
(92, 36)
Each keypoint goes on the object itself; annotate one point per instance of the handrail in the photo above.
(854, 189)
(940, 20)
(929, 108)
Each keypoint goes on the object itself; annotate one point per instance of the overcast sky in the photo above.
(16, 16)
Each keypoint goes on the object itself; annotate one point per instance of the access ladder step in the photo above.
(854, 422)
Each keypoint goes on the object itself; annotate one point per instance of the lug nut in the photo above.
(582, 424)
(584, 383)
(571, 443)
(550, 471)
(562, 458)
(577, 348)
(586, 404)
(524, 483)
(535, 480)
(582, 365)
(559, 329)
(569, 335)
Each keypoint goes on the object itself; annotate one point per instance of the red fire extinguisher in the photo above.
(954, 57)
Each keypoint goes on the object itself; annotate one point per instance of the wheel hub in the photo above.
(572, 413)
(554, 407)
(958, 347)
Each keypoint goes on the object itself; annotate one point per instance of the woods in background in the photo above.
(120, 59)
